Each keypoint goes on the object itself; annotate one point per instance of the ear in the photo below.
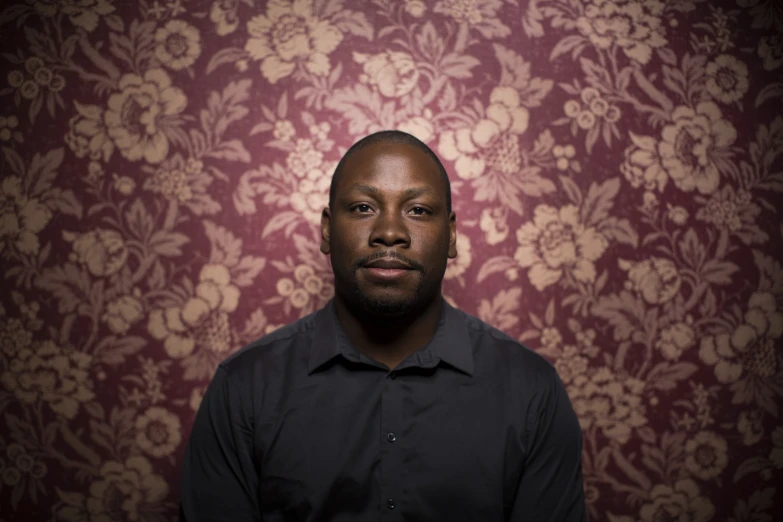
(326, 222)
(452, 235)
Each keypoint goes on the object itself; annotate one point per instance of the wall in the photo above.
(616, 172)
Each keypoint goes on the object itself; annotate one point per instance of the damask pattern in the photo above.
(616, 170)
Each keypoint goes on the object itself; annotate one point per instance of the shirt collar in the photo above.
(450, 344)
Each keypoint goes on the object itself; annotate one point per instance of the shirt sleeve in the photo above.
(550, 488)
(219, 480)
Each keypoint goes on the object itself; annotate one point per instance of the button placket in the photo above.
(391, 451)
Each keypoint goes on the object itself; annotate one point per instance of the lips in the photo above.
(391, 264)
(387, 270)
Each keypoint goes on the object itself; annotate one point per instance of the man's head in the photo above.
(389, 226)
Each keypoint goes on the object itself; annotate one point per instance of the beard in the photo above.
(384, 305)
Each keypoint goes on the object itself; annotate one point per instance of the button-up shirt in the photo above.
(302, 426)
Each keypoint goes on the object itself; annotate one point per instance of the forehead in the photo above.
(390, 165)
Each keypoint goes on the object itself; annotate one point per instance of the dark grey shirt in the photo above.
(301, 426)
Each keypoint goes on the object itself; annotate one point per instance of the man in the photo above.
(387, 404)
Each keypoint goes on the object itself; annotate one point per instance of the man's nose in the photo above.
(389, 229)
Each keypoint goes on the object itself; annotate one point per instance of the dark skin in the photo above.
(389, 205)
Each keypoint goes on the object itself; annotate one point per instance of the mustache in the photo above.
(388, 254)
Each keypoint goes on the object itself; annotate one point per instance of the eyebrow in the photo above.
(407, 194)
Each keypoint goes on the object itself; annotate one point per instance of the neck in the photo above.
(389, 340)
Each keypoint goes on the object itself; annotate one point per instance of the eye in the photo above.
(420, 211)
(361, 208)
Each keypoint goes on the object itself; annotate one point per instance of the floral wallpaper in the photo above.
(617, 175)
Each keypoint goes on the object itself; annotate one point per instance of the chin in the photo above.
(380, 307)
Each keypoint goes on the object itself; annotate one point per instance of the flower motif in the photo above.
(735, 213)
(21, 217)
(776, 455)
(556, 242)
(136, 116)
(656, 279)
(202, 319)
(184, 181)
(675, 339)
(642, 166)
(609, 402)
(288, 34)
(125, 490)
(751, 345)
(727, 79)
(491, 141)
(86, 13)
(419, 126)
(55, 375)
(681, 502)
(122, 313)
(677, 214)
(415, 8)
(770, 50)
(750, 426)
(479, 14)
(158, 432)
(706, 455)
(284, 130)
(88, 134)
(102, 250)
(178, 45)
(690, 146)
(633, 25)
(8, 129)
(394, 73)
(124, 184)
(223, 14)
(493, 222)
(570, 363)
(563, 155)
(305, 286)
(14, 337)
(457, 266)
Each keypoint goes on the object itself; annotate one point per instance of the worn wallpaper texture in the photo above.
(617, 176)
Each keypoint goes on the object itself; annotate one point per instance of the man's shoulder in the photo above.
(488, 342)
(272, 345)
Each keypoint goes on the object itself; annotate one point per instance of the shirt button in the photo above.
(390, 437)
(391, 503)
(392, 375)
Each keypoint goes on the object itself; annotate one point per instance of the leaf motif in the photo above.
(751, 465)
(167, 244)
(666, 376)
(354, 22)
(623, 312)
(229, 55)
(535, 92)
(226, 247)
(280, 221)
(620, 230)
(14, 161)
(139, 220)
(599, 201)
(247, 269)
(571, 189)
(719, 272)
(63, 201)
(514, 70)
(67, 283)
(231, 150)
(565, 45)
(458, 65)
(769, 92)
(115, 350)
(43, 170)
(495, 265)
